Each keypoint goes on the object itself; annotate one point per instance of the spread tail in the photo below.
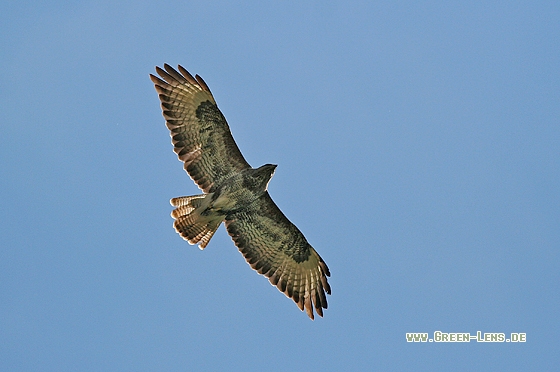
(193, 221)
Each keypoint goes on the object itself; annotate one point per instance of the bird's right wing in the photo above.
(199, 132)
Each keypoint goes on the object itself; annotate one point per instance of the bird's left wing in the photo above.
(275, 248)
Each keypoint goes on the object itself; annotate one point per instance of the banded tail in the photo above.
(193, 221)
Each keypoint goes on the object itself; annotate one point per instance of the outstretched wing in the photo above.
(275, 247)
(199, 132)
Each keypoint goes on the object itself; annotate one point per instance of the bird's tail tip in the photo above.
(190, 223)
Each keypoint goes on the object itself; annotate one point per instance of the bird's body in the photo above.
(234, 193)
(241, 189)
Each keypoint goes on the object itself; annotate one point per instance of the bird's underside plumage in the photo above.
(235, 193)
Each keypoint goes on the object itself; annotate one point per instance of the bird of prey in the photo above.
(234, 193)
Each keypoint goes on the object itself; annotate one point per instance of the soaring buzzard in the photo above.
(235, 193)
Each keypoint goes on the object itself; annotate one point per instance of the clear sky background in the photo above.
(418, 146)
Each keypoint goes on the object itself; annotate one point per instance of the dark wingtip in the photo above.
(167, 77)
(157, 80)
(187, 75)
(202, 83)
(182, 76)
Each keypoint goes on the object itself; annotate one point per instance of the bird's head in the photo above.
(264, 174)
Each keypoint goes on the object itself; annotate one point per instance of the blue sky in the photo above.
(418, 149)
